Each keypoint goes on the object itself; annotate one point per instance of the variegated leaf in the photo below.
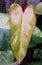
(22, 25)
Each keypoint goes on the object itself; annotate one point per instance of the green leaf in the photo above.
(38, 54)
(4, 32)
(21, 29)
(4, 39)
(6, 57)
(38, 9)
(36, 37)
(40, 27)
(35, 63)
(30, 1)
(3, 60)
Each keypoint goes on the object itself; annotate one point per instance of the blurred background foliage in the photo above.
(34, 53)
(4, 5)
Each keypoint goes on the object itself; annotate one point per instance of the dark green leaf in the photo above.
(38, 54)
(4, 39)
(4, 32)
(36, 37)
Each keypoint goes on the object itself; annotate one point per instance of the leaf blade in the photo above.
(19, 30)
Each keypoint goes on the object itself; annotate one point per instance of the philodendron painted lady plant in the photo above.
(22, 35)
(22, 25)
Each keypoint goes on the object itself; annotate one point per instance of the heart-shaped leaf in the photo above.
(22, 25)
(38, 9)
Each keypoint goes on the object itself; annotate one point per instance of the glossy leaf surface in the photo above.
(4, 32)
(6, 57)
(36, 37)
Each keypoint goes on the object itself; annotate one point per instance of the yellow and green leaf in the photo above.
(22, 26)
